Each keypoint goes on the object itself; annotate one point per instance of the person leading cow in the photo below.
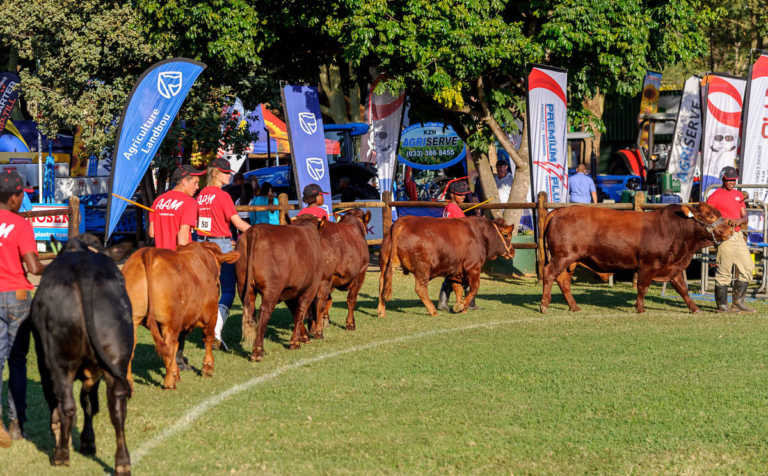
(216, 211)
(175, 211)
(457, 193)
(732, 252)
(17, 250)
(312, 195)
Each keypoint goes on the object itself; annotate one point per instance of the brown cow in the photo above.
(430, 247)
(659, 245)
(345, 246)
(171, 293)
(282, 263)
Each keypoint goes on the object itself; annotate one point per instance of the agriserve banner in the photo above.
(9, 93)
(151, 108)
(305, 132)
(723, 98)
(754, 135)
(686, 140)
(379, 144)
(649, 101)
(431, 146)
(547, 116)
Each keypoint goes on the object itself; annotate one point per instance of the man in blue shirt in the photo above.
(581, 187)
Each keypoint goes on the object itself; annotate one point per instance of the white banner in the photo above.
(687, 137)
(547, 116)
(723, 97)
(754, 151)
(379, 144)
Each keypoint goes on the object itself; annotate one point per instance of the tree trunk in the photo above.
(487, 182)
(343, 106)
(521, 184)
(596, 106)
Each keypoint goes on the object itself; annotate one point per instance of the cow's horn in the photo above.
(687, 212)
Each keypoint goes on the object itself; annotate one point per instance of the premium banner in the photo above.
(723, 97)
(649, 102)
(754, 135)
(9, 93)
(147, 117)
(547, 116)
(686, 141)
(379, 144)
(306, 134)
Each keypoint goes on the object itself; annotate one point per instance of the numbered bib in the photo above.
(204, 223)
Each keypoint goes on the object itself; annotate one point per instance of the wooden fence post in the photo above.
(637, 205)
(74, 216)
(386, 212)
(282, 203)
(541, 212)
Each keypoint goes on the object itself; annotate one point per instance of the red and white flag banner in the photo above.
(686, 140)
(723, 98)
(547, 118)
(379, 145)
(754, 136)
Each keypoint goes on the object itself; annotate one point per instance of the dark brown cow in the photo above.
(171, 293)
(344, 243)
(282, 263)
(659, 245)
(453, 247)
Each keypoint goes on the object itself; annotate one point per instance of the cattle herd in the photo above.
(172, 292)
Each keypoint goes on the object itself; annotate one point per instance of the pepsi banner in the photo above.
(547, 117)
(9, 93)
(723, 97)
(686, 140)
(305, 132)
(754, 134)
(379, 144)
(147, 117)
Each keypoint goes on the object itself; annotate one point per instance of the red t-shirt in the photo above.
(16, 239)
(728, 202)
(452, 211)
(316, 211)
(172, 209)
(216, 209)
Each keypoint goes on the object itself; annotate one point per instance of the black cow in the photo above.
(83, 330)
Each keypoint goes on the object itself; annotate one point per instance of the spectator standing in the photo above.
(581, 187)
(504, 180)
(265, 197)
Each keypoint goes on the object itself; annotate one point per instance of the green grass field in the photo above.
(499, 390)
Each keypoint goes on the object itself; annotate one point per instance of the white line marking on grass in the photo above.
(213, 401)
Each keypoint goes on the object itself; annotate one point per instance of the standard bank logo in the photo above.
(316, 168)
(169, 83)
(308, 122)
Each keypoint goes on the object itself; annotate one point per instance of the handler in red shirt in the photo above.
(216, 211)
(175, 211)
(457, 193)
(732, 252)
(17, 249)
(312, 195)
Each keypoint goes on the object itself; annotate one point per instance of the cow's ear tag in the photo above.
(687, 212)
(690, 214)
(93, 249)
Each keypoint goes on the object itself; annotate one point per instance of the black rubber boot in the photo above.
(721, 298)
(739, 290)
(445, 293)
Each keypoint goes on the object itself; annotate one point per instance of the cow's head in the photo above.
(500, 241)
(709, 217)
(358, 217)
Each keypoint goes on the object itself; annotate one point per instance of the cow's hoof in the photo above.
(87, 448)
(257, 355)
(459, 309)
(169, 386)
(574, 309)
(326, 322)
(318, 335)
(123, 470)
(695, 310)
(305, 339)
(61, 457)
(543, 308)
(207, 371)
(351, 327)
(294, 345)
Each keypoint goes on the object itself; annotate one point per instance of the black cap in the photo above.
(221, 164)
(729, 173)
(185, 171)
(310, 192)
(460, 187)
(11, 182)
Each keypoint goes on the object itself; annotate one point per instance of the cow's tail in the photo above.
(154, 328)
(92, 299)
(545, 238)
(244, 286)
(386, 263)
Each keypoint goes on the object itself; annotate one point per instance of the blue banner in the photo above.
(305, 132)
(147, 117)
(9, 93)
